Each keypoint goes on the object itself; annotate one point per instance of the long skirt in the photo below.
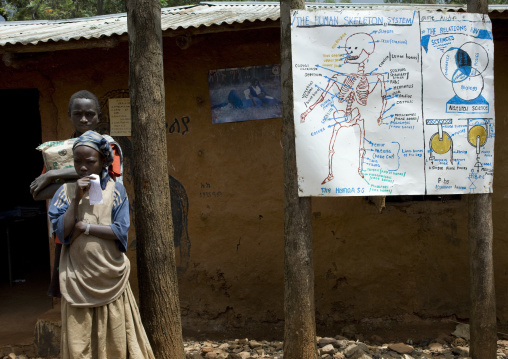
(112, 331)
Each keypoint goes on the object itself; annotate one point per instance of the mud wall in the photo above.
(408, 262)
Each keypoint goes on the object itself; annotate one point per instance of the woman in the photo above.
(100, 318)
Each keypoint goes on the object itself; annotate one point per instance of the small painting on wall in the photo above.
(245, 93)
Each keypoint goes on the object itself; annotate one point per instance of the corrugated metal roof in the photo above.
(183, 17)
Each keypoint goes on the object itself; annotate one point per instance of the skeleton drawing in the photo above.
(350, 94)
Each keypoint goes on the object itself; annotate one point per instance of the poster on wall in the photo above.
(245, 93)
(120, 116)
(393, 103)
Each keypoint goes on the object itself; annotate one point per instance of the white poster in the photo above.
(374, 109)
(458, 102)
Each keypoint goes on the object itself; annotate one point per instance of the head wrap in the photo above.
(93, 140)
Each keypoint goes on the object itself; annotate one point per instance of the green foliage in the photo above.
(68, 9)
(4, 12)
(59, 9)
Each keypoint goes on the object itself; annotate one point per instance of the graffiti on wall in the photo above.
(207, 192)
(180, 126)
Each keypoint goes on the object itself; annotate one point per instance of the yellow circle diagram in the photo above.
(476, 131)
(441, 146)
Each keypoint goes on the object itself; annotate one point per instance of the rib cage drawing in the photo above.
(350, 95)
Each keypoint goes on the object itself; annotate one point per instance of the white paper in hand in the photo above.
(95, 191)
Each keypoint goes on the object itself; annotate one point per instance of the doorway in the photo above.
(24, 245)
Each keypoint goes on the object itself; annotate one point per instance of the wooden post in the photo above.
(483, 343)
(299, 312)
(158, 285)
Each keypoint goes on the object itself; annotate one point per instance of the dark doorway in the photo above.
(24, 245)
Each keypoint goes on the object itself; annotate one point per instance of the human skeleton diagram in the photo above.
(350, 94)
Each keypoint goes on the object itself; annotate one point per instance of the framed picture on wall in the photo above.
(245, 93)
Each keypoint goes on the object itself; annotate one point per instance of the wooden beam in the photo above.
(108, 42)
(256, 25)
(155, 251)
(483, 326)
(299, 310)
(113, 41)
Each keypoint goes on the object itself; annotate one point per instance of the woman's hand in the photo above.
(99, 231)
(82, 186)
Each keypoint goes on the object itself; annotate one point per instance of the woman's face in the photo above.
(87, 161)
(84, 115)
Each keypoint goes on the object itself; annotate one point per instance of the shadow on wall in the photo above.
(179, 209)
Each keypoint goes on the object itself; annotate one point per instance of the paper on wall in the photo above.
(392, 102)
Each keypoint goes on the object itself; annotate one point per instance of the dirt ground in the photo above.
(27, 302)
(21, 305)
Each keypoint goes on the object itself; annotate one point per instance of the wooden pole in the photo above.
(299, 312)
(158, 284)
(483, 343)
